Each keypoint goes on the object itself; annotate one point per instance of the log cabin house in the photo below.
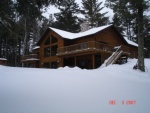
(88, 49)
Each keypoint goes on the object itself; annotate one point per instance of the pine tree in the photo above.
(92, 11)
(67, 19)
(131, 12)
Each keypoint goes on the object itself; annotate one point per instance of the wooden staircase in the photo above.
(121, 51)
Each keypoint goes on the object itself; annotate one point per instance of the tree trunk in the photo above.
(25, 37)
(140, 37)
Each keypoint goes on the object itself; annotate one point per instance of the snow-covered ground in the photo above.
(113, 89)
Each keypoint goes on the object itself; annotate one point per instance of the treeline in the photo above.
(22, 23)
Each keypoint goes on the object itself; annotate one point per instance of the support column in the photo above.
(93, 61)
(61, 63)
(75, 61)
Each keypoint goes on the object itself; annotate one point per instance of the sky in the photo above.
(53, 9)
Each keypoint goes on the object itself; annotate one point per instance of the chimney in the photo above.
(84, 26)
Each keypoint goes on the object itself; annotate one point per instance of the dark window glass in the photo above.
(84, 46)
(47, 52)
(54, 50)
(54, 65)
(46, 65)
(47, 42)
(54, 39)
(83, 64)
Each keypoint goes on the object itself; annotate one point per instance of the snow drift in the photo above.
(73, 90)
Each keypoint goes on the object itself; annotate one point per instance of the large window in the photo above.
(47, 42)
(53, 39)
(47, 52)
(47, 65)
(54, 50)
(52, 65)
(50, 46)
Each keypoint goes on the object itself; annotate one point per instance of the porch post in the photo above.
(75, 61)
(93, 61)
(61, 63)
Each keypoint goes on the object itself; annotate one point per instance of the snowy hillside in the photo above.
(113, 89)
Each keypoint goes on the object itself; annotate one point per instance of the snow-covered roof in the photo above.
(3, 59)
(70, 35)
(31, 59)
(36, 47)
(130, 42)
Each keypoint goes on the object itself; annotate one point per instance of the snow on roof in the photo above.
(30, 59)
(36, 47)
(70, 35)
(130, 42)
(3, 59)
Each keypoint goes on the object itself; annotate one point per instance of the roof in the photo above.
(69, 35)
(130, 42)
(36, 47)
(3, 59)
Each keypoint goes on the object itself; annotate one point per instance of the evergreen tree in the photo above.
(124, 17)
(19, 18)
(131, 12)
(67, 19)
(92, 11)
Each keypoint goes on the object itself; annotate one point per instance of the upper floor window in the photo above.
(50, 40)
(53, 39)
(47, 42)
(51, 46)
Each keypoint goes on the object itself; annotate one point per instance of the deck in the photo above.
(87, 46)
(84, 47)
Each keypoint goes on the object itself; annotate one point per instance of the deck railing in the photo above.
(91, 45)
(31, 56)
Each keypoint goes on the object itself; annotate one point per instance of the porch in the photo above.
(31, 60)
(89, 55)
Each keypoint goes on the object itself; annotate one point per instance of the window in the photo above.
(54, 39)
(53, 50)
(84, 46)
(46, 65)
(47, 52)
(47, 42)
(83, 64)
(54, 65)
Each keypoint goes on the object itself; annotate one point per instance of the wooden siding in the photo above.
(49, 59)
(133, 51)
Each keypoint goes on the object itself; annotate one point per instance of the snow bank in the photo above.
(73, 90)
(3, 59)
